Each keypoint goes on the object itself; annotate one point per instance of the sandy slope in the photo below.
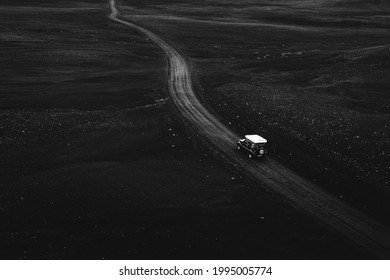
(299, 192)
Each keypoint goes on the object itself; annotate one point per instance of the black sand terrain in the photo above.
(312, 76)
(96, 164)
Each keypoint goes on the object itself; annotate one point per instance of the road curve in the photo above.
(296, 190)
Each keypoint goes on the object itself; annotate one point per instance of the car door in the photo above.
(246, 145)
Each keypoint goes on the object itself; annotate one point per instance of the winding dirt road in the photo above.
(296, 190)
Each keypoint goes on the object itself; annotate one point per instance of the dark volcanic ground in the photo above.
(310, 76)
(94, 162)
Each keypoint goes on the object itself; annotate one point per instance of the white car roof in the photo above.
(257, 139)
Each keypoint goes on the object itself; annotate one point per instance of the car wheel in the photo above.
(238, 147)
(250, 155)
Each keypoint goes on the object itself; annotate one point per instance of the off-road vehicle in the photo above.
(253, 145)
